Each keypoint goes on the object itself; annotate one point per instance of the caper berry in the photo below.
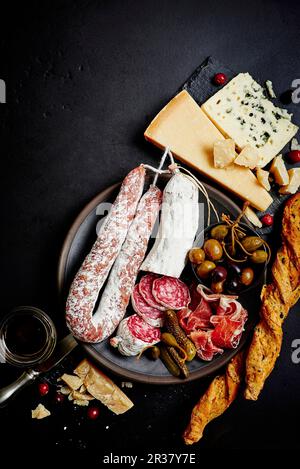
(219, 232)
(252, 243)
(259, 256)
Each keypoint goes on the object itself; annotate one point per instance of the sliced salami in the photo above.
(151, 315)
(145, 289)
(134, 335)
(171, 292)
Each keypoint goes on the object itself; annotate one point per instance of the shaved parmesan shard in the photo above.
(279, 171)
(74, 382)
(294, 182)
(263, 178)
(242, 112)
(183, 127)
(40, 412)
(177, 228)
(248, 157)
(252, 217)
(224, 153)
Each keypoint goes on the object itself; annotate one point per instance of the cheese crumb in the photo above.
(279, 171)
(294, 182)
(270, 89)
(40, 412)
(295, 145)
(263, 178)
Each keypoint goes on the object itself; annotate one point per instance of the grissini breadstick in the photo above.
(277, 299)
(218, 397)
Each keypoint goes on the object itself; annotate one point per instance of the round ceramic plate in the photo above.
(78, 243)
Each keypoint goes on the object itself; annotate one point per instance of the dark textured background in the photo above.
(83, 80)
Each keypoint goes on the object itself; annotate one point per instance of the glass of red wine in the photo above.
(27, 337)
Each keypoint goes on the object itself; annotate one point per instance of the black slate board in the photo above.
(200, 85)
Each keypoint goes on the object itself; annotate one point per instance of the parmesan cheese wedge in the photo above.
(279, 171)
(294, 182)
(263, 178)
(183, 127)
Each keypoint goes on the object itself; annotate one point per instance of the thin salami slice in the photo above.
(171, 292)
(151, 315)
(143, 331)
(145, 289)
(134, 335)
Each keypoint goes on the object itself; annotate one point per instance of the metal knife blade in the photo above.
(62, 349)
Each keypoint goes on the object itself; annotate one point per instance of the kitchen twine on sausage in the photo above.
(173, 168)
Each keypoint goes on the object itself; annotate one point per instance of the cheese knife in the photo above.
(63, 348)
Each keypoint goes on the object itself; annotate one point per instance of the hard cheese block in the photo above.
(241, 111)
(183, 127)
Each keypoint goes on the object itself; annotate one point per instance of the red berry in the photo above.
(93, 413)
(220, 79)
(43, 389)
(294, 156)
(59, 397)
(267, 219)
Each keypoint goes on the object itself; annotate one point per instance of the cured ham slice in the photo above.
(171, 292)
(206, 349)
(215, 324)
(227, 332)
(197, 319)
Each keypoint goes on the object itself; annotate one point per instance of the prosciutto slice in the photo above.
(206, 349)
(197, 319)
(215, 324)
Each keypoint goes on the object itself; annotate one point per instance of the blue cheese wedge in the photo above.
(242, 112)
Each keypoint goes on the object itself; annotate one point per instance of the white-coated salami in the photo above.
(145, 289)
(120, 284)
(92, 274)
(171, 292)
(177, 228)
(151, 315)
(134, 335)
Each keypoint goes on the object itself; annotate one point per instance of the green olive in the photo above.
(217, 287)
(219, 232)
(205, 269)
(213, 249)
(252, 243)
(259, 256)
(247, 276)
(196, 255)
